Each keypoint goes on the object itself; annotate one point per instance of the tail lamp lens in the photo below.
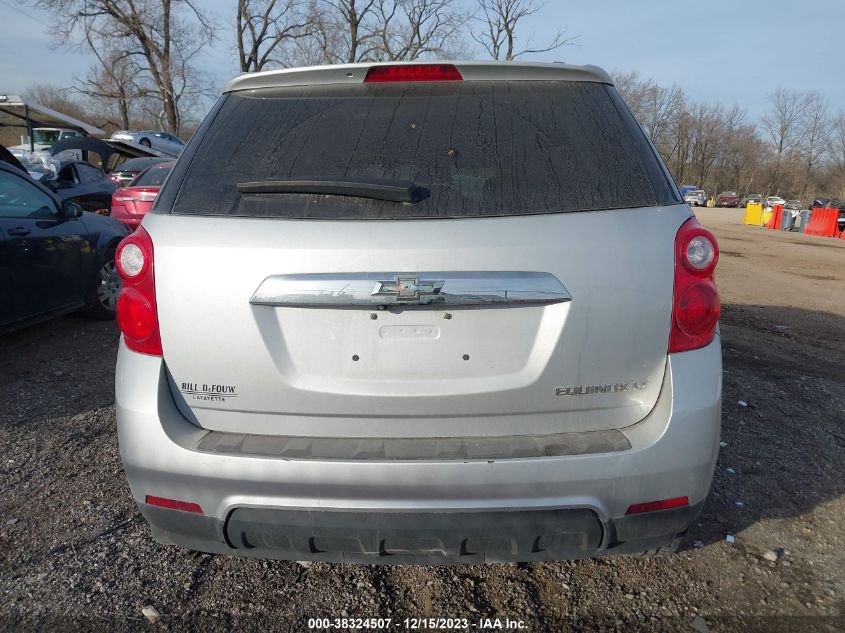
(655, 506)
(173, 504)
(413, 72)
(695, 306)
(131, 260)
(137, 314)
(698, 308)
(700, 252)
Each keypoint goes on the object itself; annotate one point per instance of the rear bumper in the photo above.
(400, 538)
(133, 222)
(435, 511)
(119, 212)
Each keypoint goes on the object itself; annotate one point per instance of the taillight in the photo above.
(695, 305)
(173, 504)
(413, 72)
(137, 315)
(655, 506)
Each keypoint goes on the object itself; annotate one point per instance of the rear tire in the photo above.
(145, 142)
(106, 288)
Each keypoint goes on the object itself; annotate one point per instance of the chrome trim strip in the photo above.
(367, 290)
(136, 199)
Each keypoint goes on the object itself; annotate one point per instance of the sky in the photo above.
(728, 51)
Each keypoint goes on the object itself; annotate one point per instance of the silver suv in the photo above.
(430, 313)
(696, 198)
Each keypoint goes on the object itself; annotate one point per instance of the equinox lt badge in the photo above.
(587, 390)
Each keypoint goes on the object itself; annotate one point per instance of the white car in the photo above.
(43, 139)
(771, 201)
(161, 141)
(696, 198)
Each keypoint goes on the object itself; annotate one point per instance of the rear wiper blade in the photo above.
(376, 188)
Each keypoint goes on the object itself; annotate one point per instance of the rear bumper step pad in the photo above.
(418, 537)
(415, 448)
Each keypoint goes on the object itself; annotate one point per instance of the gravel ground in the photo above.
(76, 555)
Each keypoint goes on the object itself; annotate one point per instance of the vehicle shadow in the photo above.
(783, 419)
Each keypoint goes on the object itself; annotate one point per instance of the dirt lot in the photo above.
(75, 554)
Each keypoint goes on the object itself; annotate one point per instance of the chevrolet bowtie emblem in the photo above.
(407, 288)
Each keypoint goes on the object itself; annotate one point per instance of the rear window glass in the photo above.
(137, 164)
(153, 177)
(475, 148)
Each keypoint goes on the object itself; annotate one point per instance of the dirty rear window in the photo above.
(475, 148)
(153, 177)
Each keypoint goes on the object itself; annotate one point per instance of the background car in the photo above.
(43, 138)
(696, 198)
(161, 141)
(82, 183)
(130, 204)
(771, 201)
(55, 257)
(727, 199)
(126, 172)
(792, 205)
(754, 197)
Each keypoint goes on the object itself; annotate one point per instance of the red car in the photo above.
(130, 204)
(727, 199)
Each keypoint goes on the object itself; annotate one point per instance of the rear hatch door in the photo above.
(528, 291)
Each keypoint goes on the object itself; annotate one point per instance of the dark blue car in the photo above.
(55, 257)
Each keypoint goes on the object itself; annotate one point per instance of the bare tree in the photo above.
(737, 162)
(781, 123)
(814, 134)
(163, 36)
(323, 43)
(498, 25)
(704, 126)
(349, 31)
(356, 29)
(264, 27)
(631, 87)
(56, 98)
(837, 152)
(655, 107)
(797, 151)
(744, 160)
(411, 29)
(113, 80)
(113, 83)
